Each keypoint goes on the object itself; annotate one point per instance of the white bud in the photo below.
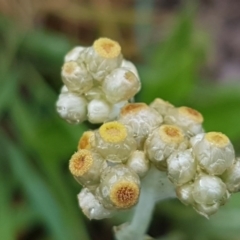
(161, 106)
(98, 111)
(184, 193)
(116, 109)
(104, 56)
(141, 119)
(121, 84)
(214, 152)
(94, 93)
(162, 142)
(76, 77)
(181, 167)
(138, 162)
(208, 190)
(91, 207)
(187, 118)
(231, 177)
(205, 209)
(71, 107)
(73, 55)
(130, 66)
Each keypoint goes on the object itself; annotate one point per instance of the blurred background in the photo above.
(187, 52)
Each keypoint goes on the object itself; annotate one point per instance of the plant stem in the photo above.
(155, 187)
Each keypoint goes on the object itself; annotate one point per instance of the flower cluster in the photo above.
(112, 161)
(97, 83)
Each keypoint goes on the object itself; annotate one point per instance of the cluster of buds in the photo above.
(111, 162)
(97, 83)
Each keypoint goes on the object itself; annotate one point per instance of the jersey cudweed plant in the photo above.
(140, 154)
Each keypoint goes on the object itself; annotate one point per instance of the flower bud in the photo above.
(72, 107)
(119, 188)
(94, 93)
(231, 177)
(130, 66)
(138, 162)
(98, 111)
(114, 142)
(181, 167)
(76, 77)
(87, 141)
(214, 152)
(86, 166)
(162, 142)
(74, 54)
(184, 193)
(141, 119)
(121, 84)
(116, 109)
(205, 209)
(187, 118)
(91, 207)
(104, 56)
(208, 190)
(161, 106)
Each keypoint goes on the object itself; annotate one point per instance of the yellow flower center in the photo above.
(69, 67)
(191, 113)
(133, 108)
(171, 133)
(80, 162)
(113, 132)
(86, 141)
(124, 194)
(218, 139)
(107, 48)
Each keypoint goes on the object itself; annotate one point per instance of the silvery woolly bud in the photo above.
(208, 190)
(184, 193)
(104, 56)
(231, 177)
(130, 66)
(214, 152)
(139, 163)
(187, 118)
(114, 142)
(206, 210)
(72, 108)
(91, 207)
(74, 54)
(163, 142)
(161, 106)
(121, 84)
(181, 167)
(76, 77)
(141, 119)
(86, 166)
(98, 111)
(119, 188)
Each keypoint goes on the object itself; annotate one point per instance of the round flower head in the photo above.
(231, 177)
(86, 166)
(138, 162)
(91, 207)
(87, 141)
(184, 193)
(181, 167)
(119, 188)
(161, 106)
(114, 142)
(76, 77)
(187, 118)
(104, 56)
(141, 119)
(208, 190)
(121, 84)
(72, 107)
(130, 66)
(162, 142)
(214, 152)
(74, 54)
(98, 111)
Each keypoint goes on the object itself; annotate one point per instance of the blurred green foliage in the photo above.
(36, 190)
